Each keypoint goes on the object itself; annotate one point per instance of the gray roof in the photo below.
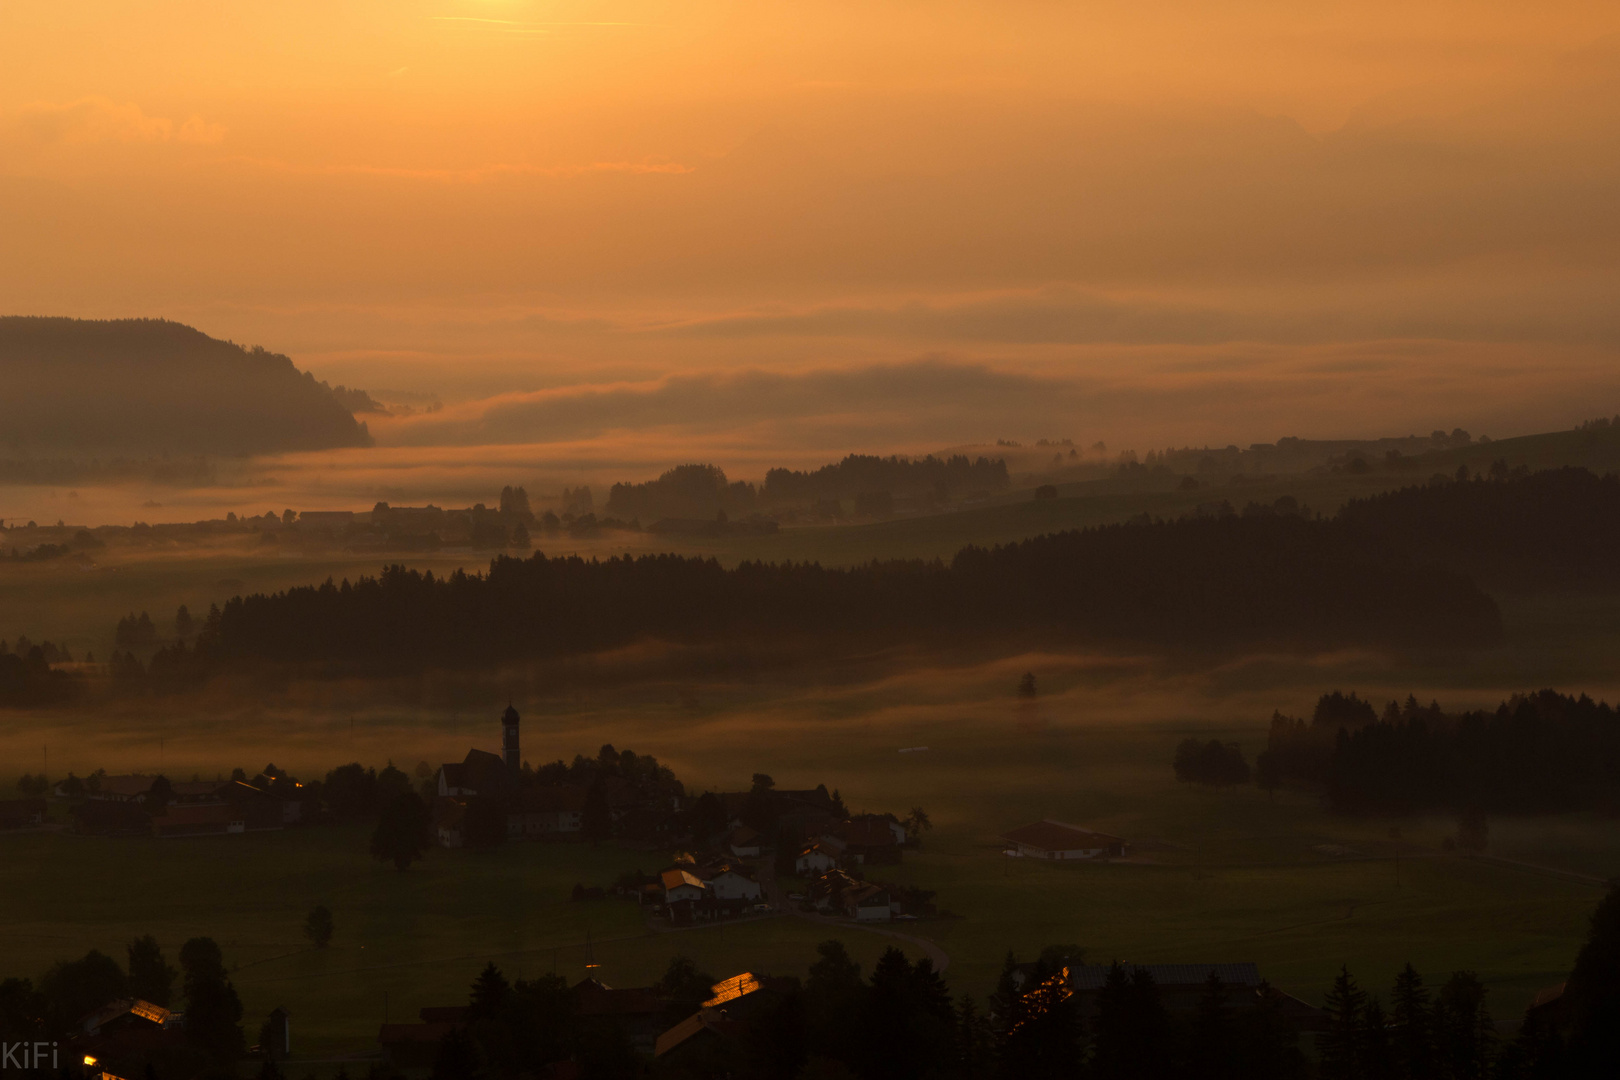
(1092, 976)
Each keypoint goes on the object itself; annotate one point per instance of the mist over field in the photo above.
(608, 539)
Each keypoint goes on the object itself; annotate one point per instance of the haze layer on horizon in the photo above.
(626, 232)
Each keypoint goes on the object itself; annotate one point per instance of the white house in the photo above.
(869, 903)
(818, 858)
(1055, 840)
(743, 842)
(681, 885)
(729, 884)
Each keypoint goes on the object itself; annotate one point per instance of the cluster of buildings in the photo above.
(487, 791)
(719, 888)
(141, 805)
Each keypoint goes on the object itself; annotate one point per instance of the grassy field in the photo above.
(1216, 875)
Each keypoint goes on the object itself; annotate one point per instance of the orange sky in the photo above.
(927, 222)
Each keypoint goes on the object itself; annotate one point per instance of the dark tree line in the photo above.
(1536, 753)
(1218, 583)
(27, 678)
(686, 491)
(1554, 527)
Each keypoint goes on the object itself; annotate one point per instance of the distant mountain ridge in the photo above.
(87, 387)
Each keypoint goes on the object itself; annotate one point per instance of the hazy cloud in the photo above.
(100, 119)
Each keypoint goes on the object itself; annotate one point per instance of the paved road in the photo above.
(778, 898)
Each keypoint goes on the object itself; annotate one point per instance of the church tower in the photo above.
(509, 739)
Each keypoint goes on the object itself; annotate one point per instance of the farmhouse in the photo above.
(682, 885)
(868, 903)
(730, 883)
(548, 812)
(817, 858)
(743, 842)
(1055, 840)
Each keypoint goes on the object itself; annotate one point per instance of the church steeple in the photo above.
(509, 739)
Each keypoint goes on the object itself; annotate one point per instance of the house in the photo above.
(449, 822)
(1055, 840)
(720, 1017)
(547, 812)
(232, 807)
(817, 858)
(21, 813)
(127, 1014)
(131, 788)
(743, 842)
(867, 903)
(703, 1026)
(682, 885)
(825, 891)
(732, 884)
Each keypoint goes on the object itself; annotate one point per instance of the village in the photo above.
(734, 854)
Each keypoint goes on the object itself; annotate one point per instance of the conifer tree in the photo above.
(1412, 1041)
(1339, 1048)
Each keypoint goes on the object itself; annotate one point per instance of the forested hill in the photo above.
(147, 386)
(1222, 584)
(1556, 527)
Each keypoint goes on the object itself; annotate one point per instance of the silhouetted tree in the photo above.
(213, 1009)
(490, 993)
(1594, 993)
(401, 836)
(1340, 1048)
(596, 819)
(318, 926)
(73, 988)
(150, 976)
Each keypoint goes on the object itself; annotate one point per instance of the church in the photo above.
(484, 773)
(492, 783)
